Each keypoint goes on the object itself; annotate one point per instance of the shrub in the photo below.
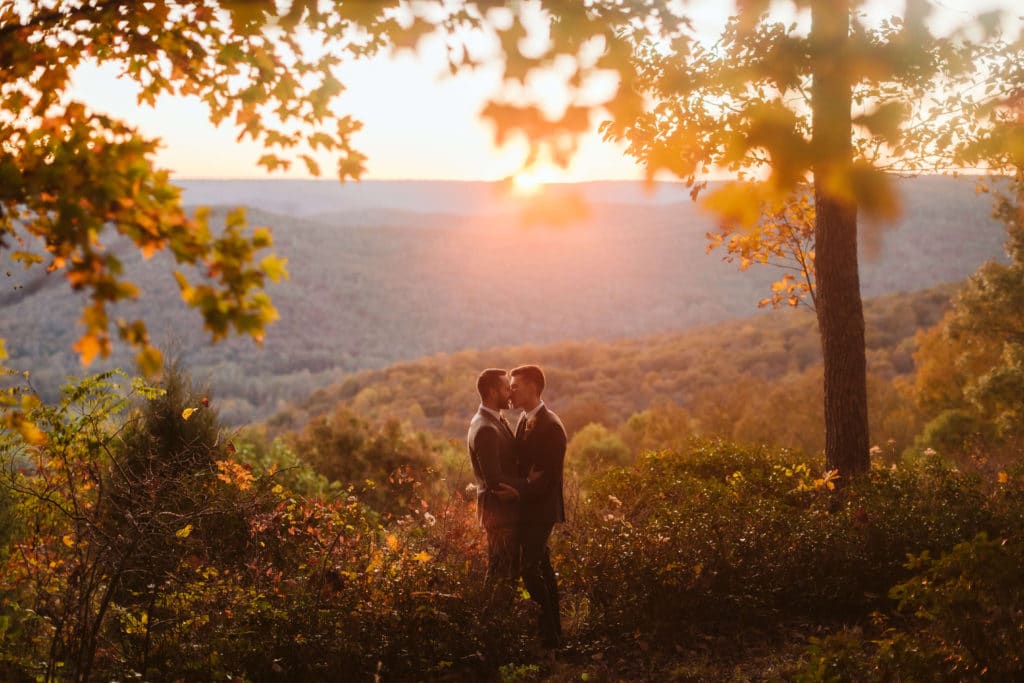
(740, 535)
(960, 617)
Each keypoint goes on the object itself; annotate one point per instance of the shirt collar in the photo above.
(494, 413)
(533, 413)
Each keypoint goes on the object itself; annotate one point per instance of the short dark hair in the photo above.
(531, 373)
(488, 379)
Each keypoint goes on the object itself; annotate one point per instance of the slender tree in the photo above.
(827, 104)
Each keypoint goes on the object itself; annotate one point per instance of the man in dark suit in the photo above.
(541, 441)
(492, 450)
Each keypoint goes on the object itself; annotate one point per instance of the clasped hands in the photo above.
(508, 493)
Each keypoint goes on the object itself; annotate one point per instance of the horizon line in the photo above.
(951, 174)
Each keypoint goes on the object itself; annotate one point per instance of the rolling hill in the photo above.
(385, 272)
(757, 378)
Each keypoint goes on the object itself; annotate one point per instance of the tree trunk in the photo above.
(839, 307)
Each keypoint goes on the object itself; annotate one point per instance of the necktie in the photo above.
(506, 425)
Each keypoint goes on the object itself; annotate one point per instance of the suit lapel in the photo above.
(522, 425)
(500, 423)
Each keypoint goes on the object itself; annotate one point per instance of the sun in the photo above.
(526, 183)
(530, 182)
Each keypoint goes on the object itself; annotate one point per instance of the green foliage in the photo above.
(594, 449)
(742, 536)
(958, 618)
(146, 548)
(383, 464)
(262, 454)
(149, 545)
(973, 362)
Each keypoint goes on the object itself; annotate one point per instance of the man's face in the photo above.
(503, 391)
(523, 391)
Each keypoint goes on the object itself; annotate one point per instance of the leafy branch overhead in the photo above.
(70, 176)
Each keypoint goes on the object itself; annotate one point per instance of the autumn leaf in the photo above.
(88, 347)
(31, 433)
(187, 413)
(422, 557)
(1003, 478)
(149, 360)
(184, 531)
(274, 267)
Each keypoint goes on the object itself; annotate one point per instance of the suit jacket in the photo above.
(492, 450)
(543, 447)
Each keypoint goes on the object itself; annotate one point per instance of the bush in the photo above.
(961, 617)
(146, 549)
(594, 449)
(738, 535)
(188, 558)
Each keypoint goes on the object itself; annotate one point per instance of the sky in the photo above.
(418, 123)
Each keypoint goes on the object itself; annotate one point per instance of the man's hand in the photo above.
(506, 493)
(534, 475)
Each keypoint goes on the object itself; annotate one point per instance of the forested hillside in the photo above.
(452, 266)
(753, 379)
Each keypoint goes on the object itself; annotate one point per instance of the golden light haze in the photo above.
(417, 122)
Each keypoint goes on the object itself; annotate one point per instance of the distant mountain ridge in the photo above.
(451, 266)
(310, 197)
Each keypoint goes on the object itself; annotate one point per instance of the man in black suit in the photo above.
(492, 450)
(541, 441)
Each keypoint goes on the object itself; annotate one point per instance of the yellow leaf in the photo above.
(737, 203)
(392, 542)
(1003, 477)
(149, 360)
(31, 433)
(275, 267)
(68, 540)
(187, 413)
(26, 258)
(375, 563)
(423, 556)
(184, 531)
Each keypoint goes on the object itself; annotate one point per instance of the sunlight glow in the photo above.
(530, 182)
(447, 139)
(526, 183)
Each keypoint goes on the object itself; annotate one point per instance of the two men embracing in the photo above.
(519, 486)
